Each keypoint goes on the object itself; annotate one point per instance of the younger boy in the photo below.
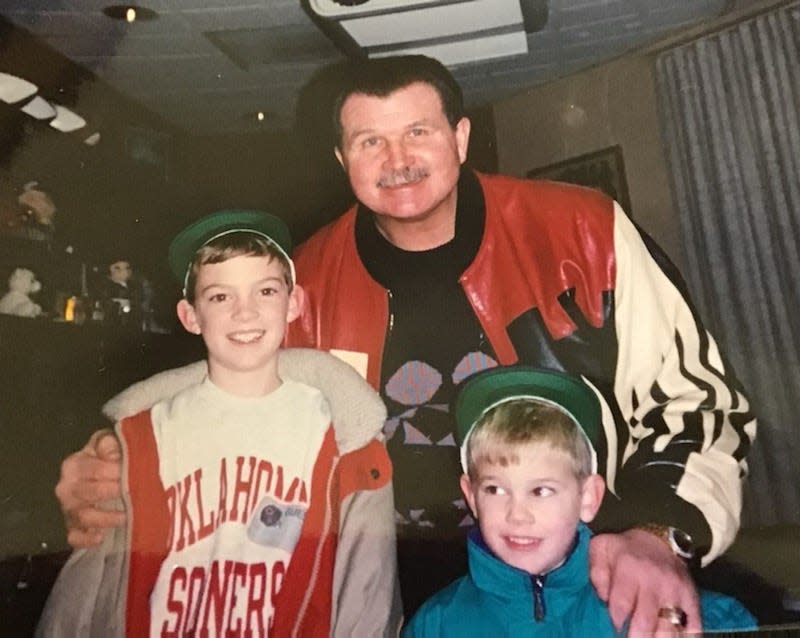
(531, 481)
(257, 505)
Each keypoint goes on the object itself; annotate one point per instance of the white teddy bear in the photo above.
(21, 284)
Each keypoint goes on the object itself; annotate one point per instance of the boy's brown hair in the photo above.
(498, 434)
(236, 244)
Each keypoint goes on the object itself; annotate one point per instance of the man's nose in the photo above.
(397, 155)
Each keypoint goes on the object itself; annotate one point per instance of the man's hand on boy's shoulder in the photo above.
(89, 477)
(637, 574)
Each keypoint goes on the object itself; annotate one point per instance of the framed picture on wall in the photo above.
(603, 170)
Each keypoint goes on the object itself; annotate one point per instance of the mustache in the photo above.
(403, 176)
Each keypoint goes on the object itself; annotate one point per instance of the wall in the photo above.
(543, 126)
(292, 173)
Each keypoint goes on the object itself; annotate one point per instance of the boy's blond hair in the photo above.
(500, 432)
(232, 245)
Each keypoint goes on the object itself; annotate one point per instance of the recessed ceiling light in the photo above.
(14, 89)
(129, 12)
(66, 120)
(258, 116)
(39, 108)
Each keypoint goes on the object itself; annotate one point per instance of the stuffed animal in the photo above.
(34, 216)
(21, 284)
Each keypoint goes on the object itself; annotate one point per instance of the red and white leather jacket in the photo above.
(563, 279)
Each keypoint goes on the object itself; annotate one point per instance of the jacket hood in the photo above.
(357, 411)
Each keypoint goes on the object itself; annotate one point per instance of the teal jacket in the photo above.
(495, 599)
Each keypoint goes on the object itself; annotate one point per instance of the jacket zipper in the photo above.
(462, 280)
(390, 323)
(315, 567)
(538, 597)
(388, 334)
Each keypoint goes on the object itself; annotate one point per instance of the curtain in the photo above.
(729, 104)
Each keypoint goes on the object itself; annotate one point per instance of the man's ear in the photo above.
(188, 317)
(592, 496)
(297, 302)
(462, 138)
(466, 488)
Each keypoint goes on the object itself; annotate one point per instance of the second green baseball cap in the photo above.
(483, 391)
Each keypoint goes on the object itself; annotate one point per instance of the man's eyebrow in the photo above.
(359, 132)
(372, 130)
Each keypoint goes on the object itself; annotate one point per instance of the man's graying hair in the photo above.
(379, 77)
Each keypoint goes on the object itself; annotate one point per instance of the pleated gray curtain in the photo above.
(729, 104)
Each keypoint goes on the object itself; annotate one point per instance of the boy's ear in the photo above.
(297, 302)
(188, 317)
(592, 496)
(466, 488)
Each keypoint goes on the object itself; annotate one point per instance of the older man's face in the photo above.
(401, 154)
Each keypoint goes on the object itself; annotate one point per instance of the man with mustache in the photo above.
(438, 273)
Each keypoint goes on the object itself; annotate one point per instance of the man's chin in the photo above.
(409, 203)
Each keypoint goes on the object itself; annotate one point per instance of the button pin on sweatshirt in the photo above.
(275, 524)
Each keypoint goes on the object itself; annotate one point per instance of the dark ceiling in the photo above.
(208, 66)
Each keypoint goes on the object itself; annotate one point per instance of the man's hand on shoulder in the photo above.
(89, 477)
(637, 574)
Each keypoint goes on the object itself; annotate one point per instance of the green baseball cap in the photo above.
(224, 222)
(483, 391)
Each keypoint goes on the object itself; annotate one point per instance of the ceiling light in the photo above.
(129, 13)
(14, 89)
(67, 121)
(39, 108)
(258, 116)
(455, 32)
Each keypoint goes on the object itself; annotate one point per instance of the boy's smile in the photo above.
(528, 511)
(246, 337)
(242, 307)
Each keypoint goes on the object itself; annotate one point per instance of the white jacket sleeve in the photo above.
(366, 592)
(689, 424)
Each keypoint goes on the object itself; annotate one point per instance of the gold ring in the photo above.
(674, 615)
